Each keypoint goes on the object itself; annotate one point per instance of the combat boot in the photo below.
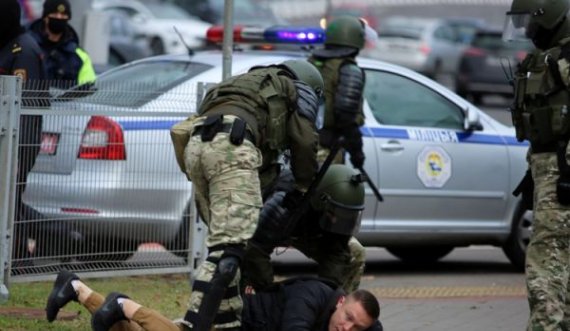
(109, 313)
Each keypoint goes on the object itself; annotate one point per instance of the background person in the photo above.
(21, 56)
(542, 98)
(67, 63)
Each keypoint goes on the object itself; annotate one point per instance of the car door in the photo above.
(433, 174)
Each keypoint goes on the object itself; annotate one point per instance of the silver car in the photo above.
(445, 168)
(430, 46)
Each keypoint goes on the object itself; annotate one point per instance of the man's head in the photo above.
(56, 15)
(355, 312)
(9, 20)
(304, 71)
(537, 20)
(340, 199)
(346, 31)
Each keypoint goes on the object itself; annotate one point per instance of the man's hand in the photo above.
(357, 159)
(292, 200)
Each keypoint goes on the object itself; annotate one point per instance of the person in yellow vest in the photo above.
(67, 64)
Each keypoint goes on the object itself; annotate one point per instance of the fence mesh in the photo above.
(98, 187)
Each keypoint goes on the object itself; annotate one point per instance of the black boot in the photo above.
(109, 313)
(61, 293)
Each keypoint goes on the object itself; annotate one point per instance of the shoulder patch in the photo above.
(16, 48)
(22, 73)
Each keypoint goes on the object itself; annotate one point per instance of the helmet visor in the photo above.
(516, 27)
(341, 219)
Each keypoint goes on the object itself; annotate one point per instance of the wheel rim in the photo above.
(524, 229)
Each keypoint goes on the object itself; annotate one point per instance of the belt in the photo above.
(227, 128)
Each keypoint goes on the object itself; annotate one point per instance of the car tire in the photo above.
(420, 254)
(515, 246)
(106, 249)
(157, 46)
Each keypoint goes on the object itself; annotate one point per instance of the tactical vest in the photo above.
(329, 69)
(263, 101)
(542, 97)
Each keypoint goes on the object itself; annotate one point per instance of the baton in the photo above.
(371, 184)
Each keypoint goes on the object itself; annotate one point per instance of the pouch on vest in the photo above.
(546, 124)
(276, 127)
(237, 134)
(180, 135)
(211, 126)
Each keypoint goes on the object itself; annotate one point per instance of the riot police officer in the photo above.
(322, 233)
(540, 115)
(342, 115)
(21, 56)
(245, 123)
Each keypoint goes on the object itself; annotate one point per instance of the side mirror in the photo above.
(471, 122)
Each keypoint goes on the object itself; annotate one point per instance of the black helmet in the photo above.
(340, 197)
(526, 17)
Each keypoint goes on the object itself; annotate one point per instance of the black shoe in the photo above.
(109, 313)
(61, 293)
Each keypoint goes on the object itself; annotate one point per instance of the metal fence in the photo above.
(104, 195)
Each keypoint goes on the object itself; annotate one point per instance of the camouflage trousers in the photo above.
(227, 191)
(548, 253)
(345, 268)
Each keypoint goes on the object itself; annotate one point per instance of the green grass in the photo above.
(167, 294)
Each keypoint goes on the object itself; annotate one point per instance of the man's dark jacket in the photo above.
(304, 304)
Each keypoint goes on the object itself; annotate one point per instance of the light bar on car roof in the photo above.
(273, 35)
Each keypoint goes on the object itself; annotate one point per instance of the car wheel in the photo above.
(515, 246)
(420, 254)
(157, 46)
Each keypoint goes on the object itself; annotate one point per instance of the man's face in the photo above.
(349, 316)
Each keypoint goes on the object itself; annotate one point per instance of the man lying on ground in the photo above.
(295, 304)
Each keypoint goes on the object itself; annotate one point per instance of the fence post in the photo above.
(10, 101)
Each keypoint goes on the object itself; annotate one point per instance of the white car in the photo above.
(157, 20)
(446, 170)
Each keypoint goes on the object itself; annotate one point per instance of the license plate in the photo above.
(49, 143)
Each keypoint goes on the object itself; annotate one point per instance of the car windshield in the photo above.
(168, 11)
(404, 29)
(147, 80)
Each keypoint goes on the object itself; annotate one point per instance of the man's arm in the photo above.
(347, 109)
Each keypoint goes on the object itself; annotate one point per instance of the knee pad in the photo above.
(228, 265)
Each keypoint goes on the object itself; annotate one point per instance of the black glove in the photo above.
(357, 159)
(292, 200)
(272, 221)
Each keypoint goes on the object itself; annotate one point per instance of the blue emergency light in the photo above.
(271, 35)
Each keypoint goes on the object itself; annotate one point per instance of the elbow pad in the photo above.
(349, 91)
(307, 101)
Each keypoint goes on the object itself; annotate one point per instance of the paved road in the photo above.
(470, 289)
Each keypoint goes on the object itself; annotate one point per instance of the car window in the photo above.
(128, 11)
(397, 100)
(168, 11)
(494, 41)
(445, 33)
(402, 28)
(110, 88)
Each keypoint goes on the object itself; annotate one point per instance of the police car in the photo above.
(446, 170)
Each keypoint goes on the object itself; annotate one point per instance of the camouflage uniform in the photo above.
(541, 95)
(226, 175)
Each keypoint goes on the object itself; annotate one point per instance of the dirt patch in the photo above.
(35, 313)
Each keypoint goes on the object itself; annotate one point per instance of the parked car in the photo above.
(426, 45)
(446, 170)
(157, 20)
(246, 12)
(465, 27)
(356, 9)
(487, 65)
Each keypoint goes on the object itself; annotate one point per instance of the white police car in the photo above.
(446, 169)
